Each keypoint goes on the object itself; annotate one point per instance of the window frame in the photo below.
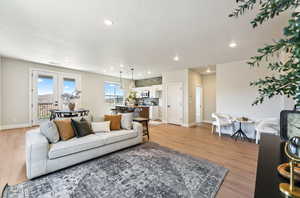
(114, 96)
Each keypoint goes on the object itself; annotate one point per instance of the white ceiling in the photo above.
(209, 69)
(146, 34)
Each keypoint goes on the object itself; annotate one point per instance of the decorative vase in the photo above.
(71, 106)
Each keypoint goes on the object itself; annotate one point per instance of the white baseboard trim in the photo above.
(207, 121)
(14, 126)
(189, 125)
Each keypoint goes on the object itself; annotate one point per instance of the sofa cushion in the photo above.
(126, 120)
(81, 127)
(75, 145)
(115, 121)
(117, 136)
(65, 129)
(50, 131)
(101, 126)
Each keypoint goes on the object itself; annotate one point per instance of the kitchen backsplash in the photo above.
(148, 101)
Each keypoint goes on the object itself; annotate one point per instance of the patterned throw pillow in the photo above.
(115, 121)
(65, 129)
(81, 128)
(49, 130)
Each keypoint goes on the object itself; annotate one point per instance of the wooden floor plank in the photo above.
(239, 157)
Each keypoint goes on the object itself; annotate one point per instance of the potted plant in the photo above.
(131, 99)
(287, 79)
(69, 99)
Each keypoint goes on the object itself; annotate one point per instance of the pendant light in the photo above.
(132, 81)
(121, 81)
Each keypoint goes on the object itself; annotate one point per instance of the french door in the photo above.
(46, 90)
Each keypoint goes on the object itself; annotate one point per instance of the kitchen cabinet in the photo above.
(155, 91)
(139, 91)
(154, 112)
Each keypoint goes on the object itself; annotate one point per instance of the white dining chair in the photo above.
(221, 120)
(268, 125)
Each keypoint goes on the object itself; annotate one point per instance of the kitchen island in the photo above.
(138, 110)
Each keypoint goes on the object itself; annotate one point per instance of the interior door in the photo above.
(198, 104)
(44, 95)
(175, 103)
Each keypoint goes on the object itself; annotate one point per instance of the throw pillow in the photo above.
(81, 128)
(115, 121)
(49, 130)
(101, 126)
(126, 120)
(65, 129)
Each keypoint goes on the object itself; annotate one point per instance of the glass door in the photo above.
(44, 95)
(68, 83)
(47, 87)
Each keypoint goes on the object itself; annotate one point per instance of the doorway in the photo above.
(175, 103)
(46, 89)
(199, 104)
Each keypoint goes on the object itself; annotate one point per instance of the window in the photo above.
(45, 96)
(69, 85)
(113, 93)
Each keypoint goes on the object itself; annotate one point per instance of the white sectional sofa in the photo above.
(43, 158)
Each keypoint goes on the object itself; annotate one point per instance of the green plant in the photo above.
(286, 81)
(132, 95)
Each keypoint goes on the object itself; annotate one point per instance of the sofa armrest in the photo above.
(138, 127)
(37, 148)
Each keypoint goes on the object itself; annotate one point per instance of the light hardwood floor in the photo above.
(239, 157)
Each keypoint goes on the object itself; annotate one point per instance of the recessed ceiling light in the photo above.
(121, 65)
(104, 71)
(232, 45)
(108, 22)
(149, 72)
(208, 70)
(176, 58)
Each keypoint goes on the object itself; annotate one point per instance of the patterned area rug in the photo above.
(146, 170)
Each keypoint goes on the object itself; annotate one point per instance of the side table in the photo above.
(144, 122)
(240, 133)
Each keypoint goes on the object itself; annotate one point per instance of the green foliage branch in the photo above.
(286, 78)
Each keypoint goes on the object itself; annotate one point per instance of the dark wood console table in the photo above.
(68, 114)
(271, 154)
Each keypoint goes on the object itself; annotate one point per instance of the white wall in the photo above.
(15, 91)
(190, 80)
(209, 96)
(171, 77)
(0, 92)
(194, 80)
(234, 96)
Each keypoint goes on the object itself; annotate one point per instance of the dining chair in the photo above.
(221, 120)
(268, 125)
